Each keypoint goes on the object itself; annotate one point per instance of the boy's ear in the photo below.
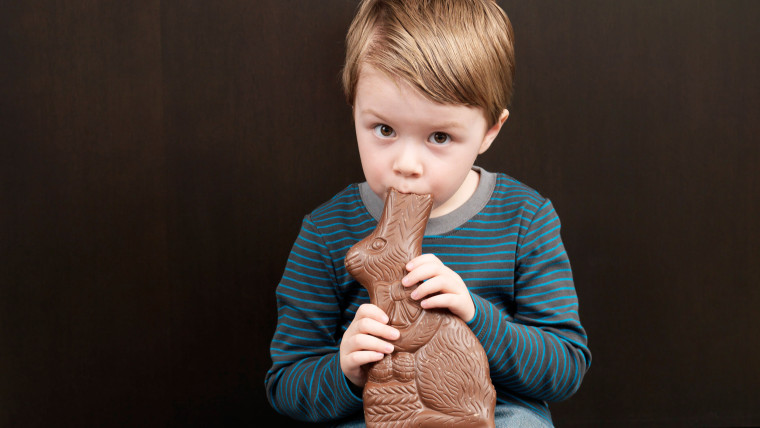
(493, 132)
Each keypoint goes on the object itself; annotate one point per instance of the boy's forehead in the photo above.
(376, 83)
(372, 76)
(391, 99)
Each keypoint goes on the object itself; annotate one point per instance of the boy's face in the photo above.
(416, 145)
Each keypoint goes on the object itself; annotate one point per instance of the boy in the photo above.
(429, 82)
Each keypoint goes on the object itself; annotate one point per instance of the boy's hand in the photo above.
(363, 342)
(438, 278)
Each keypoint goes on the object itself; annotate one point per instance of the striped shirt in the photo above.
(504, 243)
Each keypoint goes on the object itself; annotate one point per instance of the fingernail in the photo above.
(389, 349)
(414, 295)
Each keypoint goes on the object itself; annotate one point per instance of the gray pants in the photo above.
(505, 416)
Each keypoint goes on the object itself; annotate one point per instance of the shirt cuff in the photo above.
(479, 321)
(344, 387)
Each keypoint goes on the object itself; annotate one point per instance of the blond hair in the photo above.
(453, 51)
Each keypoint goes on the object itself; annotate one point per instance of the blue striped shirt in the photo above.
(512, 259)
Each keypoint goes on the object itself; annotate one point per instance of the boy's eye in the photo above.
(439, 138)
(384, 131)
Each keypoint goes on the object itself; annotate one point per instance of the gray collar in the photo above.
(445, 223)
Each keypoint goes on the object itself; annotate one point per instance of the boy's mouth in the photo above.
(403, 190)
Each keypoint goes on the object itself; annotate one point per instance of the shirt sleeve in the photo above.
(536, 347)
(305, 381)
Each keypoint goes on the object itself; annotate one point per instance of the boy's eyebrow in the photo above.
(441, 125)
(448, 125)
(372, 112)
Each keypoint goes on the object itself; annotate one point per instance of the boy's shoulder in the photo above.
(346, 205)
(514, 203)
(508, 187)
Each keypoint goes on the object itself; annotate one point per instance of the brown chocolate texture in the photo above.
(438, 374)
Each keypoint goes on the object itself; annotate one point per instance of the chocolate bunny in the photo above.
(438, 374)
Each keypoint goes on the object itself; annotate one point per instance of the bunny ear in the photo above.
(391, 201)
(416, 214)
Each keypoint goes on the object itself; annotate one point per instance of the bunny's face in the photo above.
(376, 258)
(378, 264)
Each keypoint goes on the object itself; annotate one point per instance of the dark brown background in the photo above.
(157, 158)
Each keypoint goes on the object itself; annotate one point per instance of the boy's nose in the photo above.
(408, 162)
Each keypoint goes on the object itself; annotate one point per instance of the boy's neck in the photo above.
(461, 196)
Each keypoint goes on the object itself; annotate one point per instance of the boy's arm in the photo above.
(541, 351)
(306, 381)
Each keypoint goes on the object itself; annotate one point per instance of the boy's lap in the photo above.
(510, 415)
(506, 415)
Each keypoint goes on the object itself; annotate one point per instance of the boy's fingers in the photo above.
(420, 260)
(439, 301)
(453, 302)
(369, 310)
(422, 272)
(366, 342)
(360, 358)
(428, 287)
(375, 328)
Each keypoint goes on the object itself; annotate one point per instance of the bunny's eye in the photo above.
(378, 244)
